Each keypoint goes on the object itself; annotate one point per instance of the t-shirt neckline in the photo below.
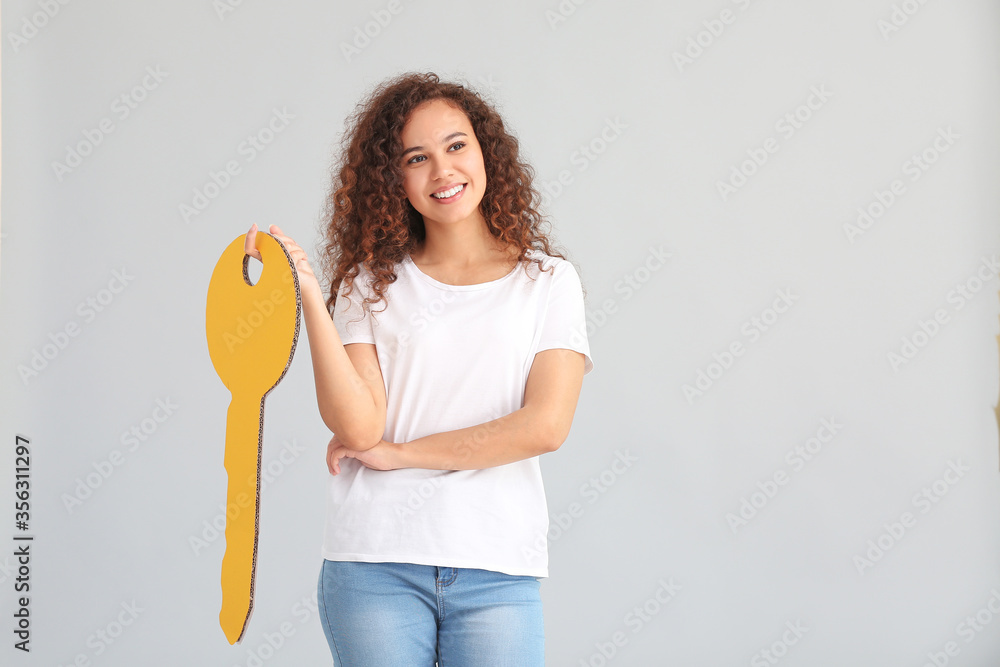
(462, 288)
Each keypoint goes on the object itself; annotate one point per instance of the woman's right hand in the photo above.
(307, 279)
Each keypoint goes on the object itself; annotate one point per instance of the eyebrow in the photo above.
(443, 141)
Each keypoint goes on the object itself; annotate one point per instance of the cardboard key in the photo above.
(252, 331)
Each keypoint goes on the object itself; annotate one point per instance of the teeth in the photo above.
(448, 193)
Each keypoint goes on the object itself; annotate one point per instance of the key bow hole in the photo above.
(252, 268)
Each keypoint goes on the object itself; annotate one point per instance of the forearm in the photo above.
(345, 401)
(519, 435)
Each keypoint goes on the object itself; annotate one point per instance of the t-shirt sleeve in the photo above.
(565, 324)
(353, 323)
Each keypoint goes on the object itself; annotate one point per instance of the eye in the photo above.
(456, 145)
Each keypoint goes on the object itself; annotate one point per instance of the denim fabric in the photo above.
(408, 615)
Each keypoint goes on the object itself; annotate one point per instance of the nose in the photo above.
(442, 166)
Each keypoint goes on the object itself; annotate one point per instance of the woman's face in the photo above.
(440, 152)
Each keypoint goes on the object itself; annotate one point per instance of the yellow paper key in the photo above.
(252, 331)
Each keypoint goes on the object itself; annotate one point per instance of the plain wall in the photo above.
(882, 367)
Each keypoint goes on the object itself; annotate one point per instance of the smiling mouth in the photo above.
(450, 194)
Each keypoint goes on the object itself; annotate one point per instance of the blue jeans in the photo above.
(407, 615)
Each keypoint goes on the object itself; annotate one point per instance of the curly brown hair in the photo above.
(368, 219)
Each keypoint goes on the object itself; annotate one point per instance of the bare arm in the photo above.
(542, 425)
(350, 390)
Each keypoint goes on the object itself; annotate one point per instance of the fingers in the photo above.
(334, 463)
(290, 245)
(298, 255)
(334, 452)
(250, 246)
(275, 231)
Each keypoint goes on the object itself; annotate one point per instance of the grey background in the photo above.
(651, 182)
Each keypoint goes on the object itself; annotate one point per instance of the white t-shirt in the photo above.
(453, 356)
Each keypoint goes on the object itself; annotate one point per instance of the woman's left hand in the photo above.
(378, 457)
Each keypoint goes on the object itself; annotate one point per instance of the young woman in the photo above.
(441, 401)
